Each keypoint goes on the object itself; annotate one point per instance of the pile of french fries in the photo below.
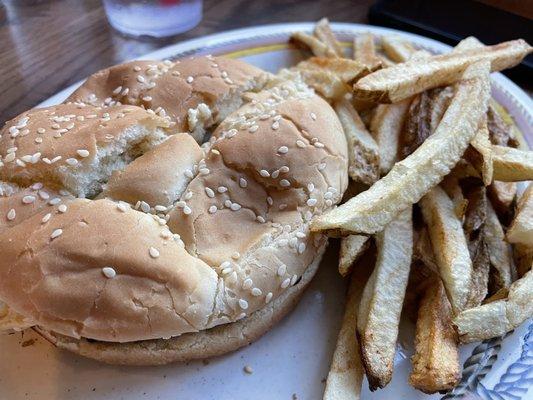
(434, 164)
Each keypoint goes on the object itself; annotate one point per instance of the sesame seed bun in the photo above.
(175, 89)
(191, 346)
(151, 237)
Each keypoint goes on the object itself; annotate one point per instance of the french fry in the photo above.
(498, 317)
(500, 258)
(417, 125)
(481, 156)
(345, 69)
(502, 196)
(436, 360)
(512, 165)
(365, 51)
(396, 48)
(346, 372)
(523, 258)
(521, 229)
(500, 132)
(351, 248)
(450, 184)
(469, 43)
(324, 33)
(325, 83)
(412, 177)
(316, 47)
(423, 251)
(440, 100)
(399, 82)
(386, 126)
(473, 225)
(362, 148)
(449, 246)
(381, 303)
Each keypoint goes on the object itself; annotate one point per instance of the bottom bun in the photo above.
(191, 346)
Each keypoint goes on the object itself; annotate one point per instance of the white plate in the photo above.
(293, 358)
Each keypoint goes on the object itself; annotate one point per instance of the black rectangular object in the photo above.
(452, 20)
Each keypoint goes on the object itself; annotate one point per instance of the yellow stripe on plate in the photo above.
(266, 49)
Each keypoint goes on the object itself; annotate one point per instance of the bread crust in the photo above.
(192, 346)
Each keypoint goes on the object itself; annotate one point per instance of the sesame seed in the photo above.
(300, 144)
(243, 304)
(41, 130)
(117, 90)
(160, 208)
(46, 218)
(37, 186)
(71, 161)
(222, 189)
(54, 201)
(284, 169)
(294, 279)
(136, 68)
(227, 270)
(188, 195)
(109, 272)
(236, 255)
(243, 182)
(270, 201)
(209, 192)
(10, 157)
(253, 128)
(145, 207)
(285, 284)
(55, 159)
(268, 297)
(225, 264)
(203, 171)
(282, 269)
(38, 140)
(319, 145)
(190, 79)
(300, 235)
(62, 208)
(301, 248)
(275, 174)
(260, 219)
(11, 214)
(154, 253)
(310, 187)
(56, 233)
(247, 284)
(313, 116)
(328, 195)
(264, 173)
(321, 166)
(284, 183)
(283, 150)
(213, 209)
(140, 79)
(329, 203)
(312, 202)
(28, 199)
(235, 207)
(189, 174)
(122, 206)
(187, 210)
(275, 125)
(83, 153)
(63, 192)
(180, 204)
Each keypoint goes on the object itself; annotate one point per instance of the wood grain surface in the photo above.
(47, 45)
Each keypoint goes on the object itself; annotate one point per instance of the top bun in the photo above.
(193, 94)
(174, 238)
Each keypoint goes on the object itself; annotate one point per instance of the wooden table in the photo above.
(47, 45)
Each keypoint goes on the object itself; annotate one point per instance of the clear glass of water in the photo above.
(156, 18)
